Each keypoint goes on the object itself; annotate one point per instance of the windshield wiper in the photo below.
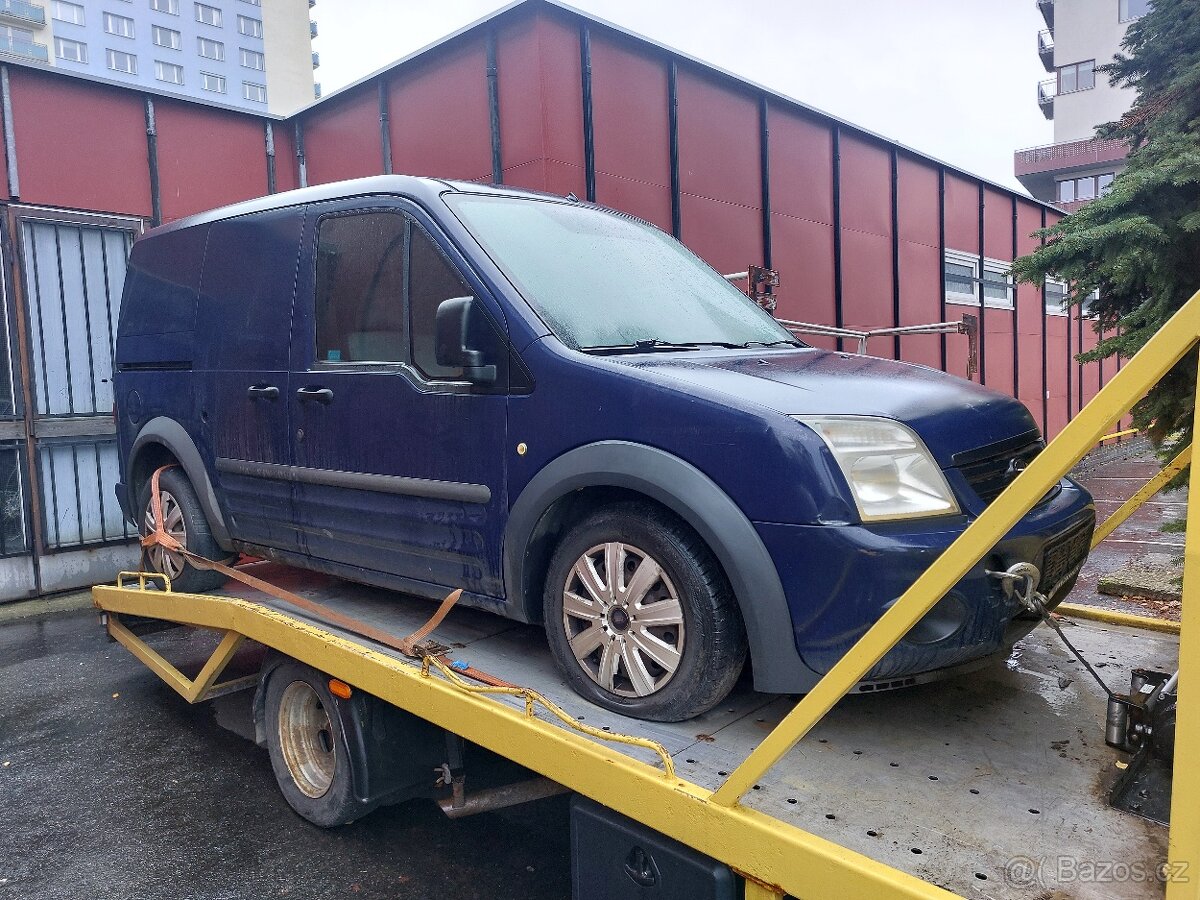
(650, 345)
(749, 344)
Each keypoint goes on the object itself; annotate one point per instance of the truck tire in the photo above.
(307, 747)
(186, 522)
(662, 641)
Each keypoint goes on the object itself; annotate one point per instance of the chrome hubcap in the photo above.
(623, 619)
(306, 739)
(167, 561)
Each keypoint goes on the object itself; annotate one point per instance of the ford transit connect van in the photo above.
(425, 385)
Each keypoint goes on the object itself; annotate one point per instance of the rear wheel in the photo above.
(640, 617)
(184, 520)
(308, 751)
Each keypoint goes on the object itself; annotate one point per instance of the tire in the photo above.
(307, 747)
(605, 643)
(186, 522)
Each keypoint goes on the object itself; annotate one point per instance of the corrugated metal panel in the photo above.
(522, 112)
(801, 167)
(1030, 317)
(207, 158)
(80, 145)
(920, 265)
(344, 141)
(804, 258)
(439, 116)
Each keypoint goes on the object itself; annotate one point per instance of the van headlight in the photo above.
(891, 472)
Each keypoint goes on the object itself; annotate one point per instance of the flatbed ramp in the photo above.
(990, 784)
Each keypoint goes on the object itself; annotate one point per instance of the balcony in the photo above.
(312, 29)
(1046, 48)
(12, 45)
(1046, 7)
(1046, 92)
(1038, 168)
(25, 13)
(317, 90)
(316, 60)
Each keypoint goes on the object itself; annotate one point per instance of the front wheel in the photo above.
(640, 617)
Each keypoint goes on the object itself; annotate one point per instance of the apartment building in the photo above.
(1079, 36)
(249, 54)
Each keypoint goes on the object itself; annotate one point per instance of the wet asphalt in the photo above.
(111, 786)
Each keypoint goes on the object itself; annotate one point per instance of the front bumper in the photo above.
(839, 579)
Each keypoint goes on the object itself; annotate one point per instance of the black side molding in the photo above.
(360, 481)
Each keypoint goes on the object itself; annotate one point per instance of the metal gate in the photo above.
(61, 525)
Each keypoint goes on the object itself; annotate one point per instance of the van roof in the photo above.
(426, 189)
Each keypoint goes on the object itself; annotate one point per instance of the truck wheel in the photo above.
(640, 617)
(184, 520)
(308, 751)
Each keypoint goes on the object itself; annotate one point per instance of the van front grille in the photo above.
(991, 474)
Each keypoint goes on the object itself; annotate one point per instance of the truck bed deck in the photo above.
(991, 784)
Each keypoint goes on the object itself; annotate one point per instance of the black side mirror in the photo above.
(453, 327)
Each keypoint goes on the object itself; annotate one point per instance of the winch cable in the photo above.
(1024, 579)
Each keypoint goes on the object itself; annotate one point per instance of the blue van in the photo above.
(424, 385)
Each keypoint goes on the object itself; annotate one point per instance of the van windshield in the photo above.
(603, 281)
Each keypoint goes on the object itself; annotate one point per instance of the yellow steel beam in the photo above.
(192, 690)
(794, 861)
(1144, 493)
(1128, 386)
(756, 891)
(1112, 617)
(1117, 434)
(1183, 840)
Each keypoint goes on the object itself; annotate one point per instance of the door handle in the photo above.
(319, 394)
(268, 391)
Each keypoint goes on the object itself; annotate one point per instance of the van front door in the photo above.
(399, 462)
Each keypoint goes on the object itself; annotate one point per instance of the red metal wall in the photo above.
(439, 123)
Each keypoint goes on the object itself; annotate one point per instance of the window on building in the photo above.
(963, 281)
(208, 15)
(72, 51)
(165, 6)
(68, 12)
(165, 37)
(253, 2)
(1133, 9)
(255, 92)
(120, 61)
(1088, 187)
(250, 27)
(1088, 303)
(121, 26)
(168, 72)
(211, 82)
(210, 49)
(1079, 76)
(1054, 292)
(252, 59)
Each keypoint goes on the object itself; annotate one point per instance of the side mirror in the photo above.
(453, 327)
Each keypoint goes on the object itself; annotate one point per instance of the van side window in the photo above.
(432, 279)
(360, 288)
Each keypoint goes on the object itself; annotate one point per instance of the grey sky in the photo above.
(952, 78)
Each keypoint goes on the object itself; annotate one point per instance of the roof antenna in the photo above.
(571, 196)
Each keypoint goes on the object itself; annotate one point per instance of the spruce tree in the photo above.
(1139, 245)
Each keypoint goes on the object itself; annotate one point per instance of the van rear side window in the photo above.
(379, 281)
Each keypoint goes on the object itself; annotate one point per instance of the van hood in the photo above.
(950, 414)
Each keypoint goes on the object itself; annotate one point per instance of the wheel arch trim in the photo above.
(174, 437)
(699, 501)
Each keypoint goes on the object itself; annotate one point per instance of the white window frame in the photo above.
(170, 7)
(991, 266)
(260, 89)
(78, 13)
(219, 79)
(253, 2)
(203, 9)
(1058, 282)
(112, 21)
(161, 66)
(256, 55)
(218, 45)
(80, 46)
(111, 55)
(255, 26)
(174, 37)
